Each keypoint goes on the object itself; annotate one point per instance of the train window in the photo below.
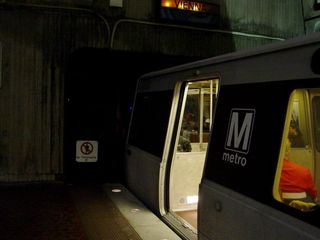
(296, 180)
(196, 122)
(148, 133)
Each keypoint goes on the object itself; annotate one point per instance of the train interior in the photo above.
(301, 146)
(197, 100)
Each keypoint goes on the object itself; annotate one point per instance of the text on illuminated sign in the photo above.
(189, 5)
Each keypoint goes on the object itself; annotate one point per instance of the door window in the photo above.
(296, 181)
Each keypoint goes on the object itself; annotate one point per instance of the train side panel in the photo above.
(240, 193)
(226, 214)
(145, 144)
(253, 98)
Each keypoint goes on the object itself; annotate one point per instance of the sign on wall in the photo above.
(87, 151)
(189, 11)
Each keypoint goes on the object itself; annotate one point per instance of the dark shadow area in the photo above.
(99, 91)
(38, 212)
(58, 211)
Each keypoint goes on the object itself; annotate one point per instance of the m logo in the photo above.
(240, 128)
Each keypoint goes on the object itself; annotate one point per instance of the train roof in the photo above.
(286, 60)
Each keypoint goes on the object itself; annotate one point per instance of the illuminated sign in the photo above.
(189, 11)
(190, 6)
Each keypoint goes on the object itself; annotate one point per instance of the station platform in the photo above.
(45, 211)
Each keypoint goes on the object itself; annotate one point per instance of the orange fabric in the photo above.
(296, 178)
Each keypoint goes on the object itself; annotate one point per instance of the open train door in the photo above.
(194, 114)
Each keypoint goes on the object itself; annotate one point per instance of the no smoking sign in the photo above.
(87, 151)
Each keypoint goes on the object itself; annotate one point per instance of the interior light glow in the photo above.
(116, 190)
(192, 199)
(167, 3)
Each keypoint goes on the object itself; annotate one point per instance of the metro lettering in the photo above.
(234, 158)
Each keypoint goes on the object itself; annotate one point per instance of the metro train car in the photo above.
(213, 145)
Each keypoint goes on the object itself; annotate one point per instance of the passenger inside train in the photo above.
(296, 183)
(297, 178)
(187, 129)
(295, 135)
(184, 144)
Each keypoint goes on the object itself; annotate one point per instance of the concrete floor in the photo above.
(58, 211)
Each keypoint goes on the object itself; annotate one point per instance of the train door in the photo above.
(194, 118)
(301, 146)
